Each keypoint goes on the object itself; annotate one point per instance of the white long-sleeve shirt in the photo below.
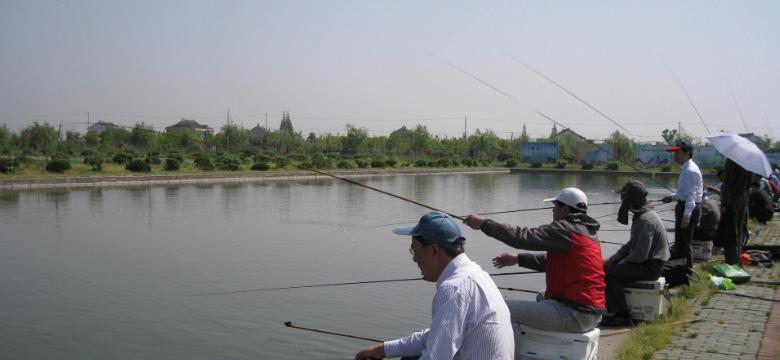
(690, 187)
(470, 319)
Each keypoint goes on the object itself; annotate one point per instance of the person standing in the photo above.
(690, 190)
(641, 258)
(572, 262)
(734, 197)
(470, 319)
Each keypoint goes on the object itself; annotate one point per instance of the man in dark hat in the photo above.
(642, 258)
(690, 190)
(470, 319)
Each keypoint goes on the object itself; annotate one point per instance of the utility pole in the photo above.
(266, 121)
(87, 120)
(465, 127)
(227, 133)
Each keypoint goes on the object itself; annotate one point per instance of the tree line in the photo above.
(140, 148)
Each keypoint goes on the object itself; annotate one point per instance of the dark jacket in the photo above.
(572, 262)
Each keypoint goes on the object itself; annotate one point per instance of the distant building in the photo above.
(750, 136)
(102, 126)
(186, 124)
(258, 133)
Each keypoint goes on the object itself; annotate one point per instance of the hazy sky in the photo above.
(366, 63)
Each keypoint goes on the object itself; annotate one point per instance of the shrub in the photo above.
(362, 163)
(320, 161)
(421, 163)
(667, 168)
(587, 166)
(281, 161)
(486, 162)
(469, 162)
(95, 162)
(612, 166)
(138, 165)
(391, 162)
(176, 156)
(58, 166)
(8, 166)
(345, 164)
(261, 166)
(229, 163)
(561, 164)
(203, 162)
(536, 164)
(171, 164)
(510, 163)
(377, 164)
(124, 156)
(503, 156)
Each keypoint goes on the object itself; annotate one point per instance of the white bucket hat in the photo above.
(573, 197)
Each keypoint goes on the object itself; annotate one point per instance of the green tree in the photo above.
(421, 140)
(355, 141)
(764, 142)
(141, 136)
(483, 145)
(567, 149)
(233, 138)
(286, 124)
(39, 138)
(622, 146)
(6, 139)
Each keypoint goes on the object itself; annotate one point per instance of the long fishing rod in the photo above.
(479, 213)
(739, 110)
(344, 283)
(690, 101)
(507, 95)
(569, 92)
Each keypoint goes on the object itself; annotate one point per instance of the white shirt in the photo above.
(690, 187)
(470, 319)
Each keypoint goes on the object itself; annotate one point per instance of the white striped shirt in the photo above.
(470, 319)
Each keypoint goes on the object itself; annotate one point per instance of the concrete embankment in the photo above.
(206, 178)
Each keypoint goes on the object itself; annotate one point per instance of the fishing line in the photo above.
(345, 283)
(548, 118)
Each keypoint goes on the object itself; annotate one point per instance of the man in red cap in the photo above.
(690, 190)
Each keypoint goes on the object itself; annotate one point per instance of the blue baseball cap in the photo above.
(435, 227)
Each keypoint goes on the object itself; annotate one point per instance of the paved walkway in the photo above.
(736, 327)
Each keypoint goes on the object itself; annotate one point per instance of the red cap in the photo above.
(673, 148)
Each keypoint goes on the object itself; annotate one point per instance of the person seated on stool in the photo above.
(642, 258)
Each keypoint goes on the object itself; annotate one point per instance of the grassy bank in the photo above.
(653, 336)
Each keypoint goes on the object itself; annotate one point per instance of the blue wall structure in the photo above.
(651, 155)
(543, 152)
(598, 155)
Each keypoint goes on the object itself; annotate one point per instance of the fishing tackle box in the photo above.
(645, 299)
(535, 344)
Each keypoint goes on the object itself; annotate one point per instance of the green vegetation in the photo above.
(234, 148)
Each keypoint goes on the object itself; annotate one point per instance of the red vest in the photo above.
(578, 274)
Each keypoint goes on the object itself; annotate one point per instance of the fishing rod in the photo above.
(344, 283)
(479, 213)
(548, 118)
(569, 92)
(690, 101)
(520, 290)
(739, 110)
(289, 324)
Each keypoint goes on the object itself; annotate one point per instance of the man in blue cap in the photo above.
(470, 319)
(690, 190)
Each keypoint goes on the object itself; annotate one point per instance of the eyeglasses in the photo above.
(413, 249)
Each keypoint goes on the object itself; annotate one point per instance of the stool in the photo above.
(645, 299)
(538, 344)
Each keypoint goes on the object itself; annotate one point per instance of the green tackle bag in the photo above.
(737, 274)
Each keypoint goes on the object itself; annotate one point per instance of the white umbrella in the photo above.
(742, 151)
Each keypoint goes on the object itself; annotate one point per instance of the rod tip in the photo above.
(288, 323)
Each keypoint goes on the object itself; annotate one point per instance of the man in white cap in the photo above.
(574, 299)
(470, 319)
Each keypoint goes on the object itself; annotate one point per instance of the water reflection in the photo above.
(9, 199)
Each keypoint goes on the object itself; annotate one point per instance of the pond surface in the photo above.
(110, 273)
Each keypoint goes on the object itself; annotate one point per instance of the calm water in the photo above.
(110, 273)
